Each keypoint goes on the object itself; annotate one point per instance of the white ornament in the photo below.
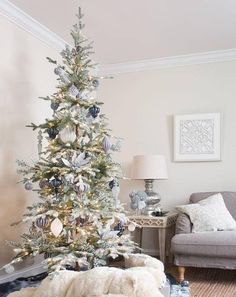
(81, 186)
(84, 95)
(76, 161)
(115, 192)
(69, 178)
(79, 160)
(131, 227)
(64, 79)
(67, 135)
(56, 227)
(73, 91)
(62, 74)
(9, 268)
(106, 143)
(74, 110)
(109, 234)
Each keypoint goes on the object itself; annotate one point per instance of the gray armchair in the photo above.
(206, 249)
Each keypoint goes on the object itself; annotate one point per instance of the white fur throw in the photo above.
(142, 260)
(142, 281)
(107, 295)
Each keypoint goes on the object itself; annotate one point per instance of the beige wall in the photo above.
(25, 75)
(140, 107)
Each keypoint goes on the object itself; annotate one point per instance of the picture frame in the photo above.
(197, 137)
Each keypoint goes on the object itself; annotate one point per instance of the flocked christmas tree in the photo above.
(78, 221)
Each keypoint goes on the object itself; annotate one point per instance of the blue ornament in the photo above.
(42, 222)
(56, 182)
(119, 227)
(113, 183)
(94, 111)
(54, 105)
(52, 132)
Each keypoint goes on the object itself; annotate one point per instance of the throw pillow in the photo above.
(209, 214)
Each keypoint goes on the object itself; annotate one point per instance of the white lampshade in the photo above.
(149, 167)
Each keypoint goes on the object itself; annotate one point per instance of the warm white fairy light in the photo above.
(75, 177)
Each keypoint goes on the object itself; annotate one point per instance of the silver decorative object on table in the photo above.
(149, 168)
(137, 200)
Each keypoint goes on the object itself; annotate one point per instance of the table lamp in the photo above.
(149, 168)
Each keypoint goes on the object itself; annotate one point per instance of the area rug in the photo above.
(206, 282)
(177, 290)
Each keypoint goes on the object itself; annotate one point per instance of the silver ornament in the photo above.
(54, 105)
(59, 71)
(64, 78)
(106, 144)
(62, 74)
(28, 186)
(69, 178)
(68, 134)
(83, 95)
(81, 186)
(73, 91)
(79, 160)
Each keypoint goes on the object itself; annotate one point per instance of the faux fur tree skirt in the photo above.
(143, 277)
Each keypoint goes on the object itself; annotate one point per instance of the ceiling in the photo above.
(132, 30)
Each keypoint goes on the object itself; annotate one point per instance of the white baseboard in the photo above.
(29, 271)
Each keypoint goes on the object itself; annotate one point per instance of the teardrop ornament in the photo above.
(56, 227)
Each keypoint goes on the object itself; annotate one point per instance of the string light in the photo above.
(74, 176)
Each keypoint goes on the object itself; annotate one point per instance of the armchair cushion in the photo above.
(206, 244)
(183, 224)
(209, 214)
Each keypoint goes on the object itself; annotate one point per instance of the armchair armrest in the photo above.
(183, 224)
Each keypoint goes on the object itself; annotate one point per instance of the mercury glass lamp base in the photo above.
(153, 198)
(149, 210)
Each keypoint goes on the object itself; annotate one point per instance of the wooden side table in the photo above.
(164, 225)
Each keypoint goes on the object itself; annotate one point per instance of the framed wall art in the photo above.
(197, 137)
